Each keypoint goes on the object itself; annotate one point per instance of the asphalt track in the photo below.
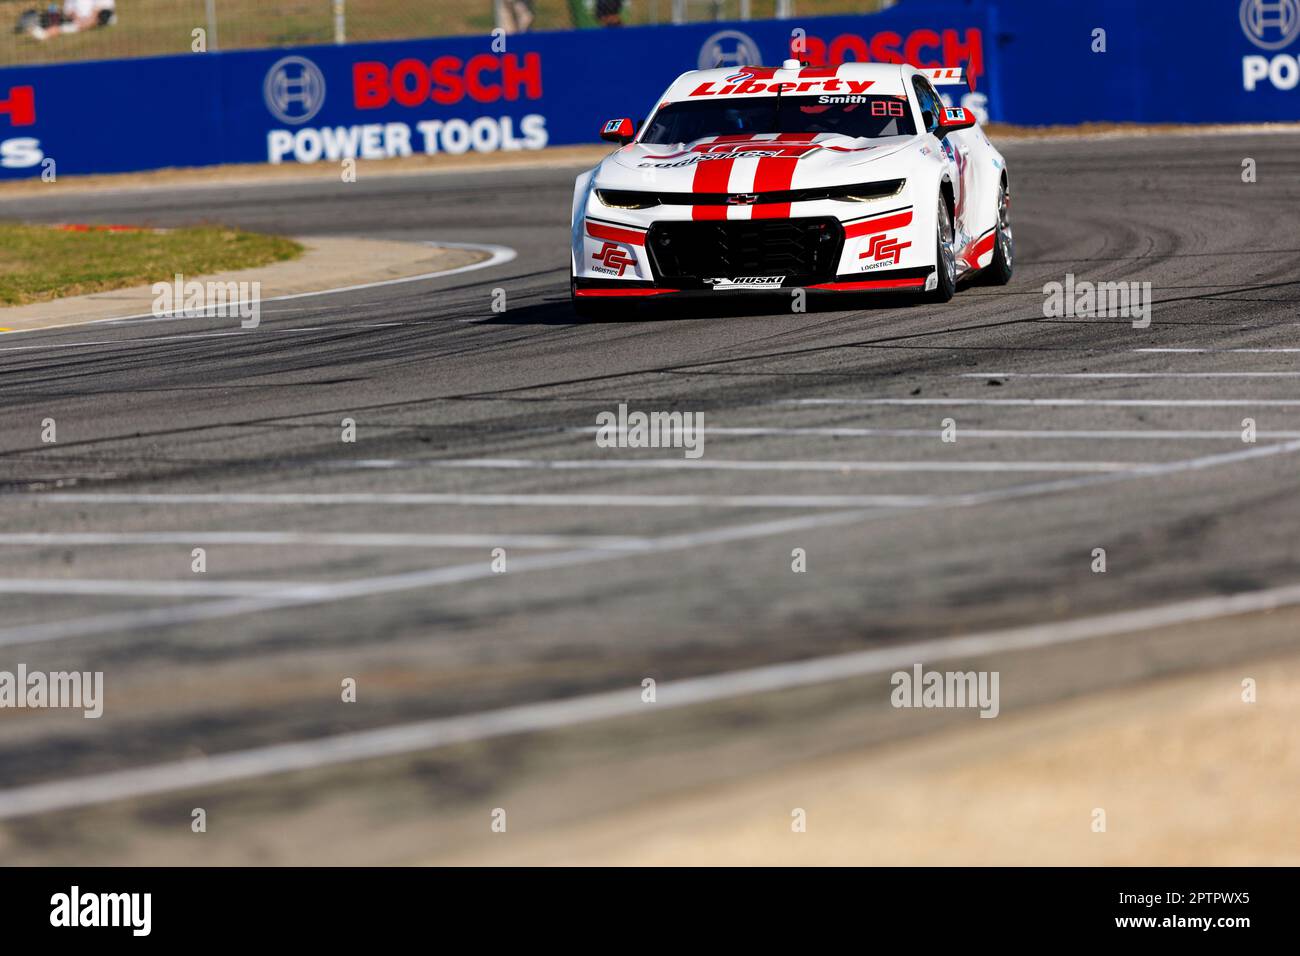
(372, 560)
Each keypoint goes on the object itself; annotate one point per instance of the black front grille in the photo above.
(799, 249)
(853, 192)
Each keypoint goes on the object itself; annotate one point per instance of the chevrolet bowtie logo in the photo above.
(742, 199)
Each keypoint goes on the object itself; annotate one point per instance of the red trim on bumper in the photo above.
(621, 292)
(597, 231)
(882, 224)
(872, 284)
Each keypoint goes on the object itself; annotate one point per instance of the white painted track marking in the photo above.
(1059, 402)
(183, 336)
(500, 500)
(714, 464)
(326, 539)
(497, 255)
(129, 621)
(133, 621)
(1242, 351)
(127, 588)
(205, 772)
(1146, 434)
(1127, 375)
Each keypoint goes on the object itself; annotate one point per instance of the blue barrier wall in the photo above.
(1033, 62)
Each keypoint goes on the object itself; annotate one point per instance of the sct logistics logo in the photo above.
(612, 257)
(1270, 25)
(18, 107)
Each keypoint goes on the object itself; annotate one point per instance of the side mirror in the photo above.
(953, 118)
(619, 131)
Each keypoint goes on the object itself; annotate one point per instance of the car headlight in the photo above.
(865, 192)
(627, 198)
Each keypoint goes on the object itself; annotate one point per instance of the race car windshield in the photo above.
(869, 117)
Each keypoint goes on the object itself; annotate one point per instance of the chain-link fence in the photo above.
(32, 31)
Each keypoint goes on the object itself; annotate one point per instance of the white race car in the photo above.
(855, 178)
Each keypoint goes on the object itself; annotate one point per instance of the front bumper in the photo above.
(826, 247)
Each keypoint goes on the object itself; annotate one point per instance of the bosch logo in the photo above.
(294, 90)
(1270, 24)
(19, 105)
(18, 108)
(728, 48)
(414, 83)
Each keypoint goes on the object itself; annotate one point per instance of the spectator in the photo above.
(75, 16)
(515, 16)
(609, 13)
(40, 23)
(86, 14)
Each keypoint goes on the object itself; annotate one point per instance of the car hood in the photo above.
(826, 158)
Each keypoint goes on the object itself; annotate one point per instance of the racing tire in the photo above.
(945, 256)
(998, 272)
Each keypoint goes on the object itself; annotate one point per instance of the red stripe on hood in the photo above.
(711, 176)
(774, 174)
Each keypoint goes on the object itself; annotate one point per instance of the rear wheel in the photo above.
(945, 256)
(998, 272)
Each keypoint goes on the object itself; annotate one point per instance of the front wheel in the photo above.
(945, 256)
(998, 272)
